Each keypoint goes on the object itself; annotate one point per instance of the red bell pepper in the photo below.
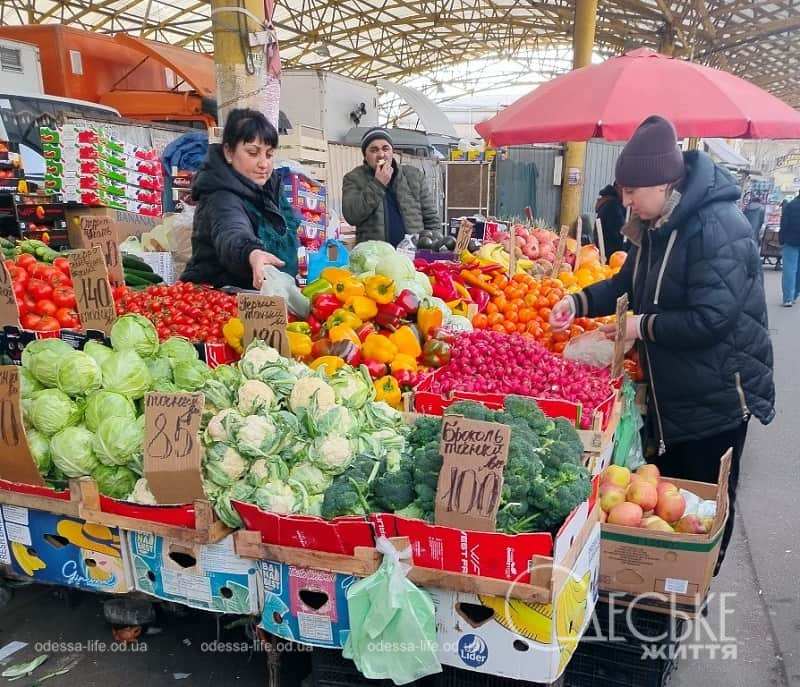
(390, 316)
(435, 353)
(323, 305)
(347, 351)
(406, 379)
(376, 369)
(314, 324)
(365, 330)
(444, 288)
(408, 301)
(479, 297)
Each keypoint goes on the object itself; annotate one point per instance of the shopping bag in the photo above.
(332, 254)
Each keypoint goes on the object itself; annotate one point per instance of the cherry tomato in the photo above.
(45, 307)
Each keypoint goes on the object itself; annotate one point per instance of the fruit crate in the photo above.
(330, 669)
(457, 677)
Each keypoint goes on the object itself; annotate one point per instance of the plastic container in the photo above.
(407, 248)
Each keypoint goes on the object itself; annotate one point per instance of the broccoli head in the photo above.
(565, 431)
(527, 409)
(394, 488)
(555, 453)
(350, 492)
(556, 492)
(471, 410)
(427, 430)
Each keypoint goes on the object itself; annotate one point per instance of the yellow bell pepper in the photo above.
(299, 344)
(343, 332)
(379, 348)
(406, 341)
(335, 274)
(364, 308)
(331, 363)
(388, 390)
(380, 289)
(458, 307)
(428, 319)
(404, 362)
(462, 291)
(348, 288)
(233, 331)
(342, 316)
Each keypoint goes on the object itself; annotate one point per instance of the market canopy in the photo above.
(609, 100)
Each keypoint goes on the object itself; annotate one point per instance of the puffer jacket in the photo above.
(234, 217)
(363, 202)
(696, 278)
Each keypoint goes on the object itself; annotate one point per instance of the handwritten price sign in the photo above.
(92, 290)
(16, 461)
(9, 313)
(474, 455)
(265, 318)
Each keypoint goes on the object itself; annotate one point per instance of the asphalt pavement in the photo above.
(751, 637)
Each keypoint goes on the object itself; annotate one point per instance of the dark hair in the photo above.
(245, 126)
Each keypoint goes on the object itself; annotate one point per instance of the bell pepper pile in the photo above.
(363, 321)
(461, 285)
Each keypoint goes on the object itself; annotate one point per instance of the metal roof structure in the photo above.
(400, 39)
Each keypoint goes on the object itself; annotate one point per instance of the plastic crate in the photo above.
(643, 626)
(617, 668)
(330, 669)
(456, 677)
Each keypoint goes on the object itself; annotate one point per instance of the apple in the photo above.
(610, 495)
(665, 487)
(616, 474)
(707, 524)
(643, 494)
(690, 524)
(649, 473)
(670, 506)
(653, 522)
(626, 514)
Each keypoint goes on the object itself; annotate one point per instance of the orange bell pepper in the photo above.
(331, 363)
(406, 341)
(428, 319)
(343, 332)
(379, 347)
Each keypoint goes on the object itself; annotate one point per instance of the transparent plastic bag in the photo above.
(593, 348)
(277, 283)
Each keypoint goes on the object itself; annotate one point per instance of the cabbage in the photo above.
(255, 397)
(127, 374)
(353, 387)
(115, 481)
(28, 384)
(224, 465)
(72, 451)
(78, 374)
(366, 256)
(165, 386)
(190, 375)
(97, 350)
(40, 450)
(257, 437)
(240, 491)
(314, 480)
(135, 333)
(177, 349)
(25, 405)
(117, 440)
(257, 357)
(41, 358)
(52, 410)
(160, 369)
(228, 375)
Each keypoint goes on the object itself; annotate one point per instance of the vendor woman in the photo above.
(243, 221)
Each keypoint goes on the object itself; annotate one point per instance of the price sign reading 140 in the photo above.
(92, 290)
(474, 455)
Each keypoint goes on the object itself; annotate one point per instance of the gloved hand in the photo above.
(632, 329)
(563, 314)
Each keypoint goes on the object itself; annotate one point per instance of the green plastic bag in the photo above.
(392, 624)
(628, 439)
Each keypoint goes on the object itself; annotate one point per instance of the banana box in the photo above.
(62, 550)
(306, 606)
(524, 641)
(206, 576)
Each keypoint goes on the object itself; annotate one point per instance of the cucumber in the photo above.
(150, 277)
(132, 280)
(130, 262)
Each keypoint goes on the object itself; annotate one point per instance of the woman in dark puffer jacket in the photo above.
(693, 278)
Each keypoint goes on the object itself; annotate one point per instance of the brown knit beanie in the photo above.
(652, 156)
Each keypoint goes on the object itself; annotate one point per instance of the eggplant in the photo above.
(449, 242)
(425, 243)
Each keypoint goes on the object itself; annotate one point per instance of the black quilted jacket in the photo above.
(697, 280)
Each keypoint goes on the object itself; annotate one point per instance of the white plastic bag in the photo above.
(593, 348)
(277, 283)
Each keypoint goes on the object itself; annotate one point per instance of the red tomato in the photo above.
(45, 307)
(42, 271)
(63, 265)
(67, 318)
(9, 263)
(64, 297)
(48, 324)
(19, 290)
(57, 278)
(39, 289)
(26, 260)
(17, 274)
(30, 320)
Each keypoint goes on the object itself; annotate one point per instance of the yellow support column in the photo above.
(575, 152)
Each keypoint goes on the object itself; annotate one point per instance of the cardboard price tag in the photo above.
(9, 313)
(560, 250)
(16, 461)
(619, 337)
(92, 290)
(465, 229)
(474, 455)
(172, 446)
(96, 230)
(601, 240)
(264, 317)
(578, 240)
(512, 252)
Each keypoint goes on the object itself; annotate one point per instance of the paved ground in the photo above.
(760, 616)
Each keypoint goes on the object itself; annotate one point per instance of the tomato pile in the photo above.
(44, 293)
(186, 309)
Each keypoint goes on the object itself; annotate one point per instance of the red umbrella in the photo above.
(611, 99)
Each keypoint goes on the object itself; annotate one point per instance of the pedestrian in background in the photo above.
(755, 213)
(789, 238)
(611, 213)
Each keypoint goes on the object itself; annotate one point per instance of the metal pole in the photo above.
(575, 152)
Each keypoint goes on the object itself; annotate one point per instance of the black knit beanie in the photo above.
(651, 157)
(373, 134)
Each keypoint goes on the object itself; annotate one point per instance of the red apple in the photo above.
(670, 506)
(643, 494)
(626, 514)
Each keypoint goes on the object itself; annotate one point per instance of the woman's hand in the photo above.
(259, 259)
(633, 329)
(563, 314)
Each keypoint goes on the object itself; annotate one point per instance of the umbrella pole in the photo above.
(575, 152)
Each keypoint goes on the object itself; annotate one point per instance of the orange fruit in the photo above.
(616, 260)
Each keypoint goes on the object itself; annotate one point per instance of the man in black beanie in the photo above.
(385, 200)
(693, 280)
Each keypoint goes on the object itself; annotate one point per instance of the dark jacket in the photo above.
(611, 213)
(364, 206)
(790, 223)
(755, 212)
(234, 217)
(696, 279)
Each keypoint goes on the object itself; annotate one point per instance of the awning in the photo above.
(433, 119)
(727, 155)
(194, 68)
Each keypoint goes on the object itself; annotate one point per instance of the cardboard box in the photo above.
(62, 550)
(304, 605)
(523, 641)
(669, 570)
(124, 223)
(206, 576)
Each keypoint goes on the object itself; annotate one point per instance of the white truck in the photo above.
(20, 68)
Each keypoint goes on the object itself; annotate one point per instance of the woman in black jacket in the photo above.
(694, 280)
(243, 221)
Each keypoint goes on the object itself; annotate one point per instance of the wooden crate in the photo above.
(69, 507)
(304, 144)
(208, 529)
